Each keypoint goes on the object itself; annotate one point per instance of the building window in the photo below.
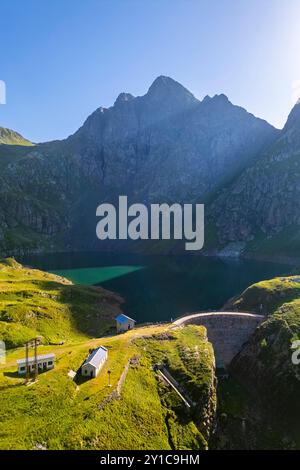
(22, 368)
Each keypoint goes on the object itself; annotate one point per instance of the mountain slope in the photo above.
(10, 137)
(164, 146)
(169, 144)
(35, 303)
(261, 207)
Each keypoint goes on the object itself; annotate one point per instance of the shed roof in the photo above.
(42, 357)
(96, 357)
(122, 318)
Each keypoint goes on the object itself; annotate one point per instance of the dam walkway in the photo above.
(227, 331)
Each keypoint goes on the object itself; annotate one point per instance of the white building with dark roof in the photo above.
(124, 323)
(44, 362)
(93, 364)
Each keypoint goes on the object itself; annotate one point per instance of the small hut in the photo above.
(95, 361)
(124, 323)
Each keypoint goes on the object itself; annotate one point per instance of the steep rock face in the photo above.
(263, 201)
(168, 144)
(164, 146)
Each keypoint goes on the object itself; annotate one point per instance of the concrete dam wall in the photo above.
(227, 331)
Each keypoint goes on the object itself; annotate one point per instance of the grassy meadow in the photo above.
(60, 413)
(36, 303)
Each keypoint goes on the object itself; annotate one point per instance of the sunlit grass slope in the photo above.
(58, 413)
(10, 137)
(34, 302)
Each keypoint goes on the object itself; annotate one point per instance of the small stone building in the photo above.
(93, 364)
(124, 323)
(44, 362)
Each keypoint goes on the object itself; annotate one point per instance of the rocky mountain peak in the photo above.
(164, 145)
(216, 100)
(221, 97)
(123, 98)
(166, 88)
(206, 99)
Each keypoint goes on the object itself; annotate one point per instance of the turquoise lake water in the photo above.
(159, 288)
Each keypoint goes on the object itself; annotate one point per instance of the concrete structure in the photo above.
(124, 323)
(169, 379)
(94, 363)
(44, 362)
(227, 331)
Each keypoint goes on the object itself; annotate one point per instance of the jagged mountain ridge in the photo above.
(164, 146)
(190, 144)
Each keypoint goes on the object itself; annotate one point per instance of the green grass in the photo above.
(267, 296)
(10, 137)
(189, 358)
(59, 413)
(56, 413)
(34, 303)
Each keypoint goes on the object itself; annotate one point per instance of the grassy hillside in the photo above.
(58, 413)
(10, 137)
(33, 302)
(267, 296)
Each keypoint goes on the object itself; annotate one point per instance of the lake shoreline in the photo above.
(158, 288)
(216, 254)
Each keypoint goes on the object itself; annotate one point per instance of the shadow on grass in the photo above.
(13, 375)
(16, 375)
(80, 379)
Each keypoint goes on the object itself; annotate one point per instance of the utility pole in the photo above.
(109, 372)
(35, 359)
(32, 343)
(27, 363)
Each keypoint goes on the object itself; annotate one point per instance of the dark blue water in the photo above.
(160, 287)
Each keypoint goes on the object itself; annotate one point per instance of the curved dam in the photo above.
(227, 331)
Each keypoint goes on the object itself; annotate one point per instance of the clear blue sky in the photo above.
(61, 59)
